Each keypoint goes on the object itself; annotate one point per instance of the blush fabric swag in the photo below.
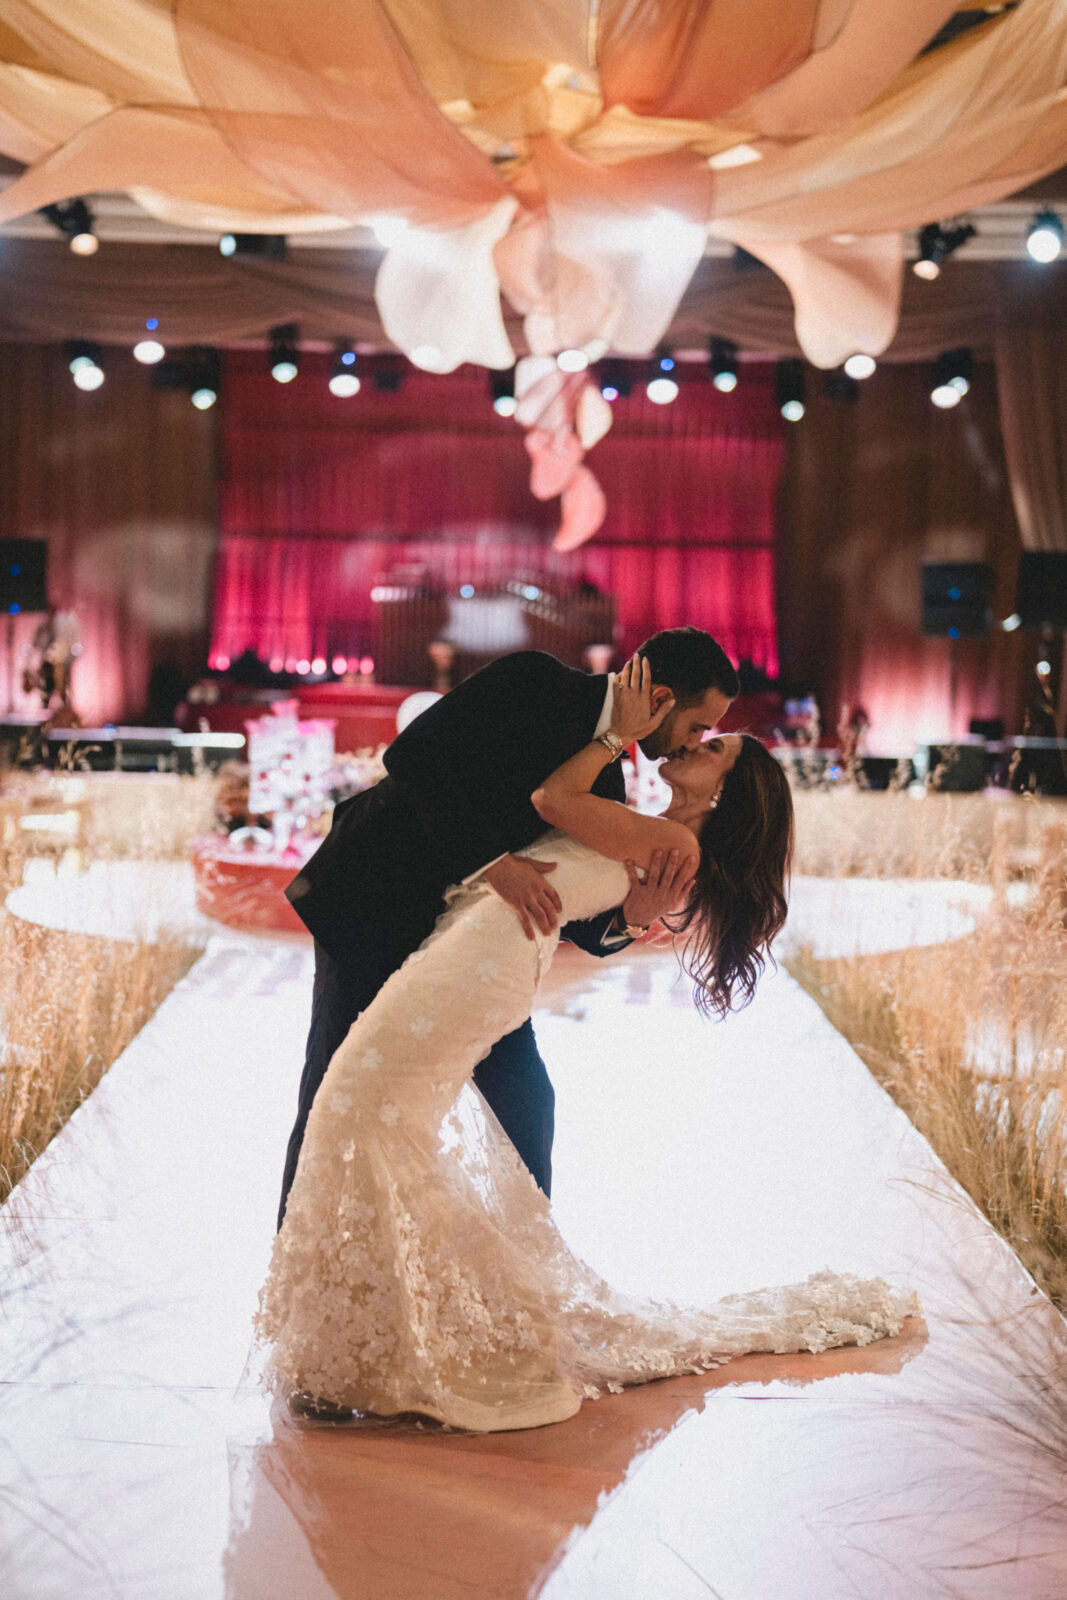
(319, 501)
(574, 158)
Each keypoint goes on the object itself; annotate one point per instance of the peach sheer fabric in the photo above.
(574, 156)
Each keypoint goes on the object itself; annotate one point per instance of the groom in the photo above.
(456, 801)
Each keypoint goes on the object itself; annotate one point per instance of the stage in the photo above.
(141, 1463)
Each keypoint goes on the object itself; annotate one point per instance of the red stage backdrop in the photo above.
(321, 498)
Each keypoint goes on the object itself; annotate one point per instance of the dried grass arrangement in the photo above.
(970, 1037)
(70, 1003)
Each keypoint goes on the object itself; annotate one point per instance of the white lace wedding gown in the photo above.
(418, 1267)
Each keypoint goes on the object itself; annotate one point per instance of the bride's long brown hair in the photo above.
(737, 902)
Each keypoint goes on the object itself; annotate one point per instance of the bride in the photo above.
(418, 1269)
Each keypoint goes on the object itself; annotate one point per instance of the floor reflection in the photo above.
(400, 1514)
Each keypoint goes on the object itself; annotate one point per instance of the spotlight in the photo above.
(204, 399)
(615, 379)
(89, 377)
(1045, 239)
(860, 366)
(75, 222)
(148, 352)
(951, 378)
(723, 364)
(264, 246)
(344, 382)
(85, 364)
(572, 361)
(1043, 668)
(789, 388)
(284, 352)
(1011, 623)
(502, 392)
(936, 241)
(662, 387)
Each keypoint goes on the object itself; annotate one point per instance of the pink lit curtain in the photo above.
(320, 499)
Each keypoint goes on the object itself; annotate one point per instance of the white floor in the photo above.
(692, 1159)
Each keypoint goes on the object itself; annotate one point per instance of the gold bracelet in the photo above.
(611, 742)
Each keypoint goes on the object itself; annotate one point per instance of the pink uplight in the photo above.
(339, 665)
(222, 663)
(366, 666)
(290, 663)
(277, 663)
(318, 665)
(303, 666)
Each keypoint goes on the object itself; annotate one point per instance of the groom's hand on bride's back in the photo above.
(524, 884)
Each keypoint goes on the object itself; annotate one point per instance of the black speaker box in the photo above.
(1042, 593)
(957, 598)
(23, 567)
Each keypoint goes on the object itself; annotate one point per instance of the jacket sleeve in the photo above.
(473, 755)
(590, 934)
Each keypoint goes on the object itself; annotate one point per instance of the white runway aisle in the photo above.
(692, 1160)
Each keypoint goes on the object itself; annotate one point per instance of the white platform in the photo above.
(692, 1159)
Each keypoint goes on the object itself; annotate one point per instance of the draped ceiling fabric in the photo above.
(574, 156)
(319, 502)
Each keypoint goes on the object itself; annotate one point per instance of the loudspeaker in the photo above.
(23, 567)
(957, 598)
(1042, 593)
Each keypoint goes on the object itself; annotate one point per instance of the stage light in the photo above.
(1011, 623)
(722, 362)
(263, 246)
(502, 392)
(203, 399)
(936, 241)
(1045, 239)
(85, 363)
(74, 221)
(951, 378)
(860, 366)
(366, 666)
(344, 385)
(344, 382)
(148, 352)
(277, 663)
(1043, 668)
(303, 667)
(81, 353)
(531, 592)
(789, 388)
(615, 379)
(318, 665)
(339, 665)
(572, 361)
(661, 387)
(467, 591)
(284, 352)
(661, 391)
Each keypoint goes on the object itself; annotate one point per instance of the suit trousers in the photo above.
(512, 1078)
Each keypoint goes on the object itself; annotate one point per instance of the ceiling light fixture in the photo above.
(1045, 238)
(722, 363)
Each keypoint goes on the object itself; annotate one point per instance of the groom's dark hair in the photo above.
(690, 662)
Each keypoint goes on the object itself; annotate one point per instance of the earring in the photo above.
(713, 802)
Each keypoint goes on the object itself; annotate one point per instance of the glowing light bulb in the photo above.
(89, 377)
(148, 352)
(860, 366)
(661, 391)
(344, 385)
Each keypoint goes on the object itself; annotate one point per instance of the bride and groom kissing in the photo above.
(417, 1268)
